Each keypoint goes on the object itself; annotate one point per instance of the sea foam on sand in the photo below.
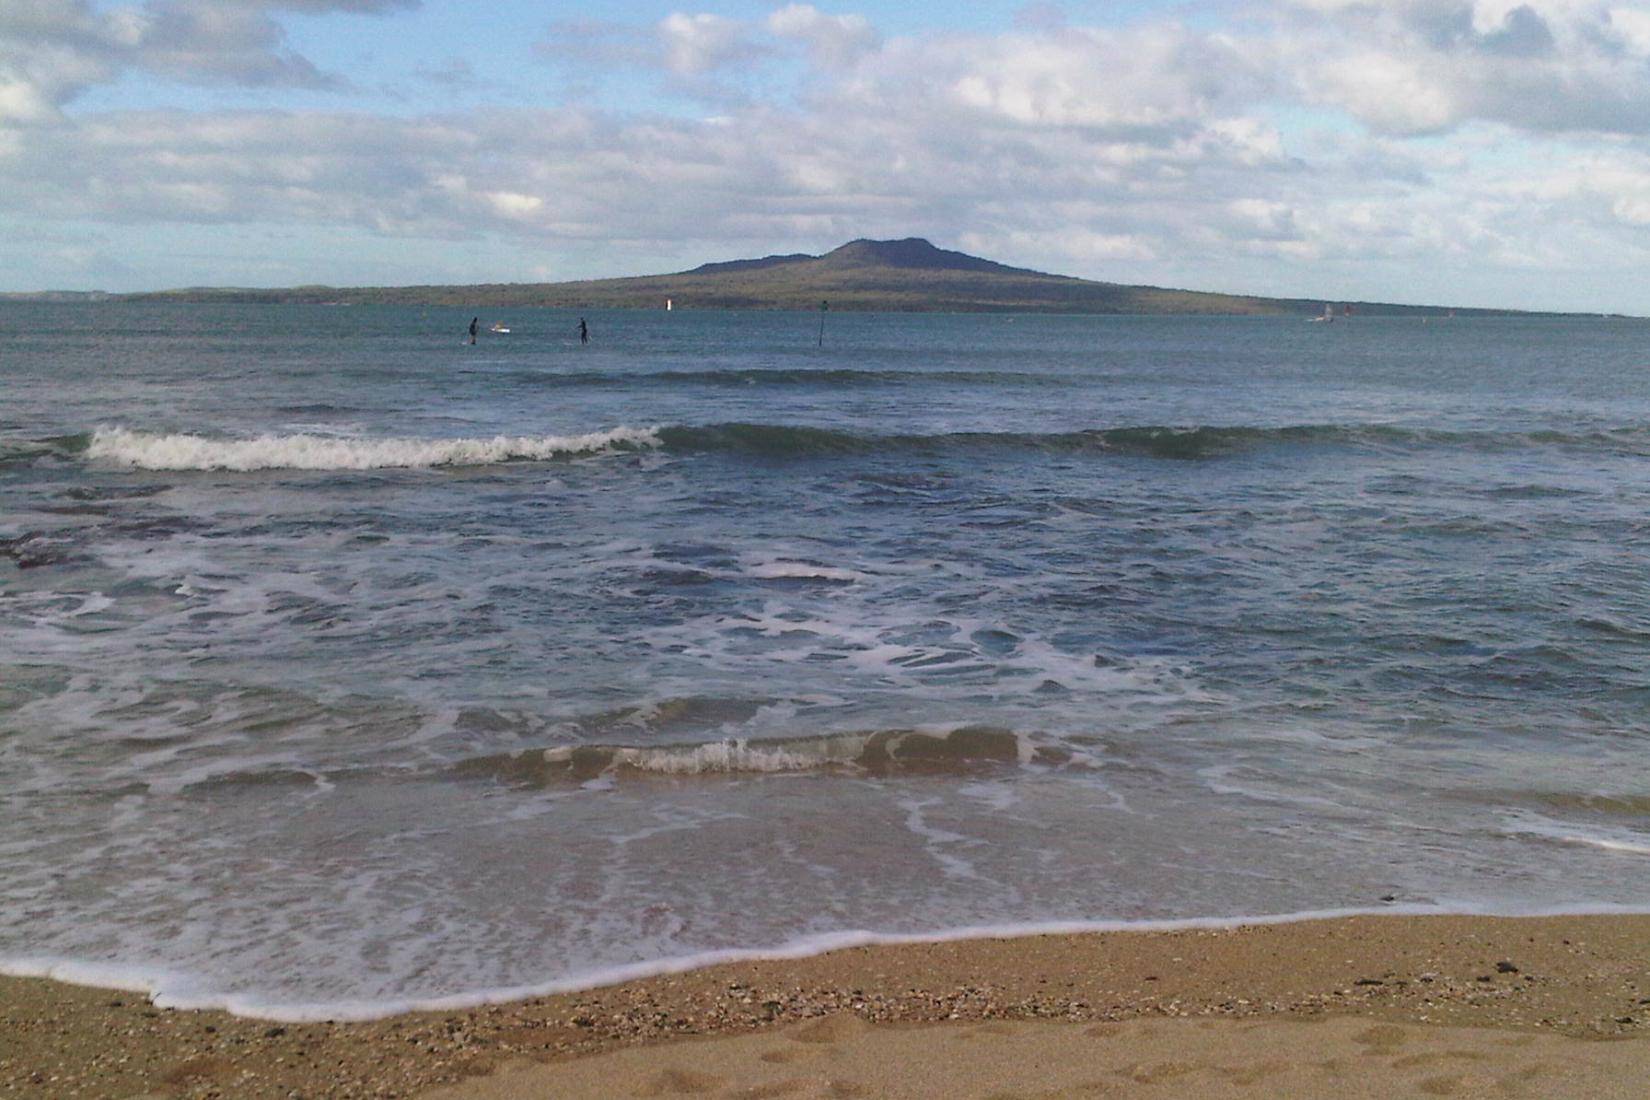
(1368, 1006)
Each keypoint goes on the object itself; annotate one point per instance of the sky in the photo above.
(1461, 152)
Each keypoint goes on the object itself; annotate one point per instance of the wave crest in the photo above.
(183, 451)
(177, 451)
(1184, 443)
(877, 752)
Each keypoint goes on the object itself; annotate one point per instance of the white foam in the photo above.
(1610, 840)
(177, 451)
(941, 844)
(734, 755)
(1226, 779)
(997, 796)
(843, 749)
(167, 990)
(46, 609)
(97, 975)
(790, 569)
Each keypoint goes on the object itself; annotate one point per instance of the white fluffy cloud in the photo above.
(1321, 139)
(1427, 66)
(696, 44)
(834, 41)
(1147, 80)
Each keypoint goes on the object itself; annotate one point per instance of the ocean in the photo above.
(347, 668)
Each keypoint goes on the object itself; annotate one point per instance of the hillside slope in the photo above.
(910, 275)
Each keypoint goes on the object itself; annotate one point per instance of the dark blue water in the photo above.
(344, 665)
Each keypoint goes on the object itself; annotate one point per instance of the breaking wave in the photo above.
(156, 451)
(184, 451)
(876, 752)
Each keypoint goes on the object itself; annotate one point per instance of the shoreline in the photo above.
(152, 986)
(1580, 976)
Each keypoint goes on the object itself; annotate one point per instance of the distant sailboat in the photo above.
(1328, 314)
(499, 326)
(669, 305)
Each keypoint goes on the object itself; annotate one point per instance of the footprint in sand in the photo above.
(683, 1082)
(1382, 1039)
(986, 1031)
(1416, 1061)
(1254, 1073)
(784, 1056)
(839, 1028)
(816, 1039)
(775, 1090)
(1151, 1073)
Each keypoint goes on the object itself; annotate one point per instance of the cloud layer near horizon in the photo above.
(1297, 143)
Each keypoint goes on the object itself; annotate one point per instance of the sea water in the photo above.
(345, 666)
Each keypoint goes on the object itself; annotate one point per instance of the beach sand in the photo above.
(1389, 1006)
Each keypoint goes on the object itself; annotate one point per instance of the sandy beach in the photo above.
(1363, 1006)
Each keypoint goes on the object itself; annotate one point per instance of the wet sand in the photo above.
(1389, 1006)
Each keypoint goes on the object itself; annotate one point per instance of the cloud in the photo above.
(1604, 190)
(1414, 67)
(833, 41)
(1155, 151)
(320, 7)
(1631, 27)
(59, 258)
(697, 44)
(204, 41)
(1131, 131)
(51, 51)
(700, 57)
(1153, 78)
(584, 173)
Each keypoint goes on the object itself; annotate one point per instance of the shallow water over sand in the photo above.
(342, 663)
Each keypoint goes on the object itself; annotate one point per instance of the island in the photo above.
(896, 276)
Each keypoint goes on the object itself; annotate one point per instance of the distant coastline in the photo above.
(58, 296)
(899, 276)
